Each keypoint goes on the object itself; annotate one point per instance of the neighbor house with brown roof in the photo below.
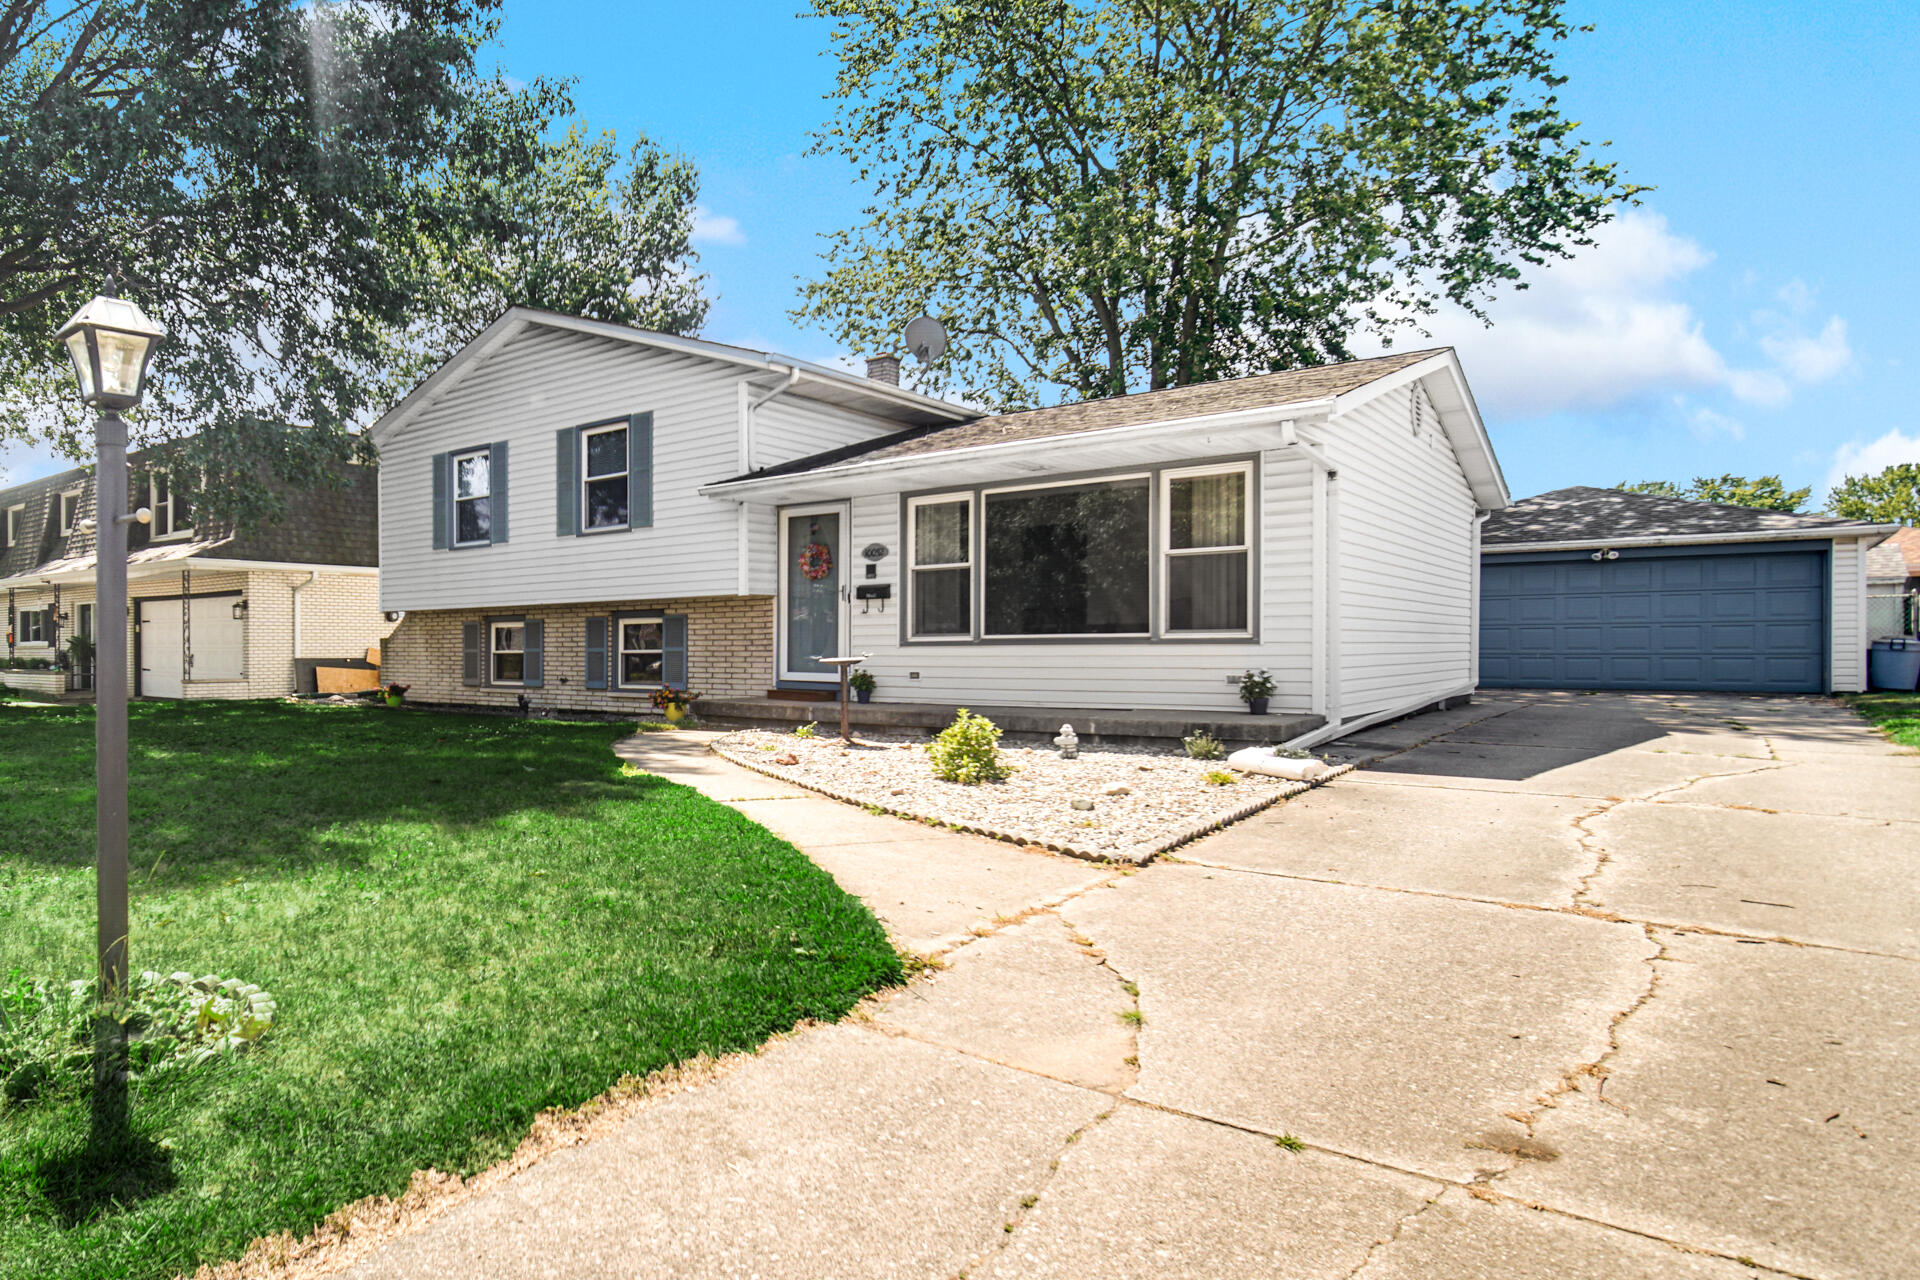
(577, 514)
(217, 609)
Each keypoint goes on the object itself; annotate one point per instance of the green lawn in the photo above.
(1896, 714)
(463, 919)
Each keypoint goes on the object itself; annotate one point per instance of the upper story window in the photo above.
(15, 515)
(1209, 561)
(69, 510)
(1068, 559)
(473, 498)
(603, 477)
(171, 518)
(940, 560)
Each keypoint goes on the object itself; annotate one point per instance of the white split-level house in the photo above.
(576, 513)
(216, 610)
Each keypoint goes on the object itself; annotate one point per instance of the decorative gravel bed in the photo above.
(1145, 801)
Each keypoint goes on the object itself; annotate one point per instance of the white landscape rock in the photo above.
(1261, 760)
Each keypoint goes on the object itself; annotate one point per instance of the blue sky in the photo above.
(1755, 314)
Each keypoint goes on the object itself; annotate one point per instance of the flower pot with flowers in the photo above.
(674, 704)
(396, 694)
(1255, 688)
(861, 682)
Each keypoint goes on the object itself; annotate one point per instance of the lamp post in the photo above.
(111, 342)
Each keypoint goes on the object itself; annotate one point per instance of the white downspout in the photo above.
(1473, 621)
(1325, 700)
(313, 576)
(748, 404)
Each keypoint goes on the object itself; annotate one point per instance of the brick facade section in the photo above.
(729, 653)
(339, 618)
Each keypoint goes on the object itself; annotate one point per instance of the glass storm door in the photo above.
(811, 556)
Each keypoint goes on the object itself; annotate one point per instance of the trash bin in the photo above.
(1894, 664)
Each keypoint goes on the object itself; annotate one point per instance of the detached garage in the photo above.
(1602, 589)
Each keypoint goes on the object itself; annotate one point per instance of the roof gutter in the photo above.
(1878, 532)
(742, 489)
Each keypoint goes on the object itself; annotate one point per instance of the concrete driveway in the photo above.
(1557, 986)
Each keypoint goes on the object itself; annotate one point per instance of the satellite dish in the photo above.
(926, 338)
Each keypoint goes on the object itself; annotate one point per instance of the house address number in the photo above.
(875, 551)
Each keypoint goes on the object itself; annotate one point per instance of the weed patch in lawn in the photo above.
(464, 921)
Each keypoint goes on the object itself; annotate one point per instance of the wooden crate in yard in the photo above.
(345, 679)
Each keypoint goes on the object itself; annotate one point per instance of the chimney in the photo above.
(884, 368)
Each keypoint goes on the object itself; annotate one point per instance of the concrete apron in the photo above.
(1462, 1017)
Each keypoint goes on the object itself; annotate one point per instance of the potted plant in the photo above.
(1255, 688)
(673, 703)
(861, 682)
(396, 694)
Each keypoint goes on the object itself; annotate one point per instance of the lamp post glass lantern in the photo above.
(111, 343)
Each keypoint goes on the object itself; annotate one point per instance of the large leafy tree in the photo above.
(1891, 496)
(1764, 492)
(1105, 195)
(283, 184)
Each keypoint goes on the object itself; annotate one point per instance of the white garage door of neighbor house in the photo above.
(219, 641)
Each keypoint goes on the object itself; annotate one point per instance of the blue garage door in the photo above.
(1737, 623)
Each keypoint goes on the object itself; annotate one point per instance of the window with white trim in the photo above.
(33, 626)
(1071, 559)
(171, 518)
(640, 662)
(15, 515)
(940, 565)
(69, 510)
(1207, 551)
(603, 478)
(507, 652)
(473, 498)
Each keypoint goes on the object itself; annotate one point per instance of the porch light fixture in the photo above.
(111, 342)
(239, 610)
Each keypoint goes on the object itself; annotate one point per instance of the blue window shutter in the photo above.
(472, 658)
(596, 653)
(442, 510)
(497, 487)
(640, 471)
(536, 642)
(566, 459)
(673, 662)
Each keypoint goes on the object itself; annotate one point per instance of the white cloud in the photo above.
(1609, 326)
(715, 228)
(1707, 424)
(1814, 359)
(1856, 459)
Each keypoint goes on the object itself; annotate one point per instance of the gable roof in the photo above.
(1908, 540)
(811, 381)
(1293, 386)
(1588, 515)
(1885, 563)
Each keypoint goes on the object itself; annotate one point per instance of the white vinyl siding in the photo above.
(1849, 651)
(1406, 564)
(544, 380)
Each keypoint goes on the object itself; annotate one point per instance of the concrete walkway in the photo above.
(1622, 986)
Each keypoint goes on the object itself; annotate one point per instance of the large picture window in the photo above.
(603, 481)
(942, 566)
(642, 657)
(509, 653)
(1068, 560)
(1208, 552)
(473, 498)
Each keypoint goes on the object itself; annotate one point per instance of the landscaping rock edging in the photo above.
(1138, 855)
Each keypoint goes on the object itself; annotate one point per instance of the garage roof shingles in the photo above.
(1587, 514)
(1293, 386)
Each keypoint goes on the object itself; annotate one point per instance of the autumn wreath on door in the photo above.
(816, 561)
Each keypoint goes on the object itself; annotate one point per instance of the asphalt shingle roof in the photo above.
(1586, 514)
(1172, 404)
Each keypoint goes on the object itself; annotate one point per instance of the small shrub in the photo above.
(1218, 778)
(1204, 746)
(861, 682)
(805, 730)
(968, 751)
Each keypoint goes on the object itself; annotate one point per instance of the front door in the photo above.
(812, 568)
(81, 677)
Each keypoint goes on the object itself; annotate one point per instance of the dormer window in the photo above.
(15, 514)
(171, 518)
(69, 510)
